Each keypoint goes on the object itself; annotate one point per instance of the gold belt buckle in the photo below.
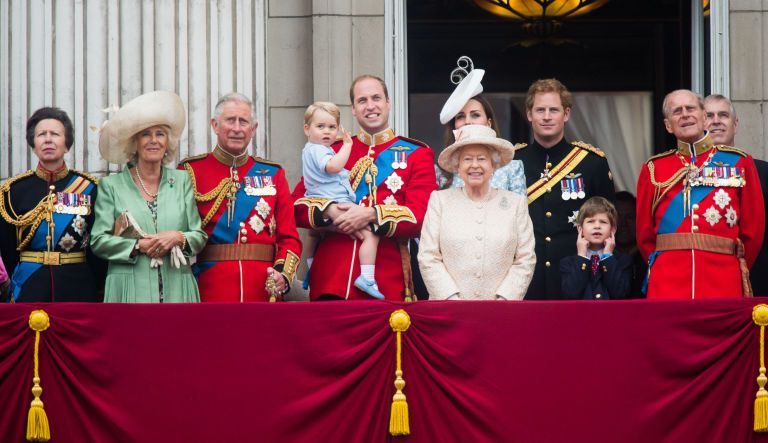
(52, 258)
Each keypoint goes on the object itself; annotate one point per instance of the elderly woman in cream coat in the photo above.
(476, 241)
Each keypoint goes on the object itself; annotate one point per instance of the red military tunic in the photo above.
(724, 201)
(247, 212)
(402, 178)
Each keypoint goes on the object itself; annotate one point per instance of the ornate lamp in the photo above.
(540, 17)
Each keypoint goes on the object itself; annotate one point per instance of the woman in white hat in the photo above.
(476, 241)
(467, 106)
(153, 268)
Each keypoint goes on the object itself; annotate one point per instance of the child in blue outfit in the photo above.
(596, 272)
(325, 176)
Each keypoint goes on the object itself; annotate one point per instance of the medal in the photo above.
(580, 188)
(566, 189)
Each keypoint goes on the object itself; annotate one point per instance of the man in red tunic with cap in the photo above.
(700, 213)
(392, 177)
(247, 212)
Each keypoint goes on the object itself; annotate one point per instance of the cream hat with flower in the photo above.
(157, 108)
(476, 135)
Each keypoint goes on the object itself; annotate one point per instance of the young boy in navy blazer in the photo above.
(596, 272)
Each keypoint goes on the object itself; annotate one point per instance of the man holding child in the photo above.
(392, 178)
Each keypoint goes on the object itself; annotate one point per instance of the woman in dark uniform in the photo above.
(47, 214)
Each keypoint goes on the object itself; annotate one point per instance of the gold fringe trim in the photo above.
(760, 317)
(399, 321)
(38, 428)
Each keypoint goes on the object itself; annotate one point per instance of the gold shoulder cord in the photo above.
(666, 185)
(220, 192)
(363, 165)
(32, 219)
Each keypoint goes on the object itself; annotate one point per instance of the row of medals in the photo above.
(79, 208)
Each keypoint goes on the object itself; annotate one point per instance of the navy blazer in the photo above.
(610, 283)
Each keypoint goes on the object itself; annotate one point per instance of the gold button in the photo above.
(242, 225)
(243, 239)
(598, 295)
(695, 217)
(695, 228)
(547, 239)
(583, 266)
(549, 189)
(695, 206)
(548, 214)
(547, 263)
(549, 165)
(243, 231)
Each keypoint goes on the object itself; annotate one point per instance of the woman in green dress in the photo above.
(163, 215)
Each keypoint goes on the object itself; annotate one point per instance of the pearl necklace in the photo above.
(141, 183)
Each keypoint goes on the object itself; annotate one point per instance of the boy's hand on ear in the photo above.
(610, 243)
(581, 243)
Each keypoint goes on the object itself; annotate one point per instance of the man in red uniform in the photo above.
(392, 177)
(247, 212)
(700, 213)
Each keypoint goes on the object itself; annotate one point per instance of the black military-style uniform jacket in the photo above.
(65, 269)
(559, 180)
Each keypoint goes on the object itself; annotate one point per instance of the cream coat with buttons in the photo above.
(476, 250)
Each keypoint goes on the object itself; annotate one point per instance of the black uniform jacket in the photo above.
(553, 216)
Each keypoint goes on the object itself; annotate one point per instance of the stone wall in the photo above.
(749, 76)
(314, 50)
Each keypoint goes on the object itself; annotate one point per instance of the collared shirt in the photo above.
(320, 183)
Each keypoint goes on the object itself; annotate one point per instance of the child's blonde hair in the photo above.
(325, 106)
(597, 205)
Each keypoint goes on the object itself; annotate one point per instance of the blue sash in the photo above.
(673, 216)
(227, 235)
(384, 165)
(24, 270)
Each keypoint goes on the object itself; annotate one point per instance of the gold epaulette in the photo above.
(194, 157)
(733, 149)
(519, 146)
(91, 177)
(414, 141)
(7, 184)
(269, 162)
(589, 148)
(660, 155)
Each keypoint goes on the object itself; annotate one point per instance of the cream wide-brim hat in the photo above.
(476, 135)
(116, 139)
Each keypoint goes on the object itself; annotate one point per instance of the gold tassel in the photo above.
(37, 421)
(760, 317)
(400, 321)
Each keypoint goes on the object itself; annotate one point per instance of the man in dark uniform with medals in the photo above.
(247, 211)
(560, 176)
(47, 215)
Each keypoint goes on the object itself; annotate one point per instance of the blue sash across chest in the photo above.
(24, 270)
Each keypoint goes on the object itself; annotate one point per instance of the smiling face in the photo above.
(597, 229)
(50, 143)
(720, 122)
(151, 144)
(475, 166)
(472, 113)
(235, 127)
(322, 129)
(548, 118)
(370, 106)
(684, 116)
